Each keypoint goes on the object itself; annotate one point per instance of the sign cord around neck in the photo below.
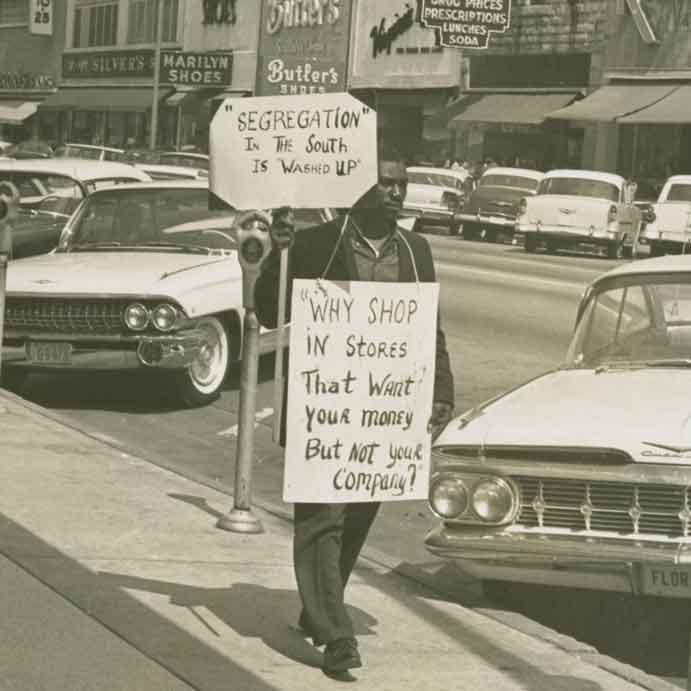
(336, 246)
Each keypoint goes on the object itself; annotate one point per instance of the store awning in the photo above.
(514, 108)
(673, 109)
(609, 103)
(15, 112)
(115, 98)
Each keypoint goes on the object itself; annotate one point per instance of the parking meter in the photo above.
(254, 245)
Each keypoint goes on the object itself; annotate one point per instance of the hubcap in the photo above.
(209, 367)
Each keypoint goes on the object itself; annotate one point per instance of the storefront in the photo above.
(396, 66)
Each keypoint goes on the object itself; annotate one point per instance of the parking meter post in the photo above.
(280, 344)
(3, 285)
(254, 245)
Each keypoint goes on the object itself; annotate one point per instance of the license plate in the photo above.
(50, 353)
(668, 581)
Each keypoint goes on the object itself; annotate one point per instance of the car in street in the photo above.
(580, 209)
(670, 230)
(49, 191)
(187, 159)
(491, 209)
(91, 152)
(581, 477)
(145, 277)
(434, 198)
(163, 171)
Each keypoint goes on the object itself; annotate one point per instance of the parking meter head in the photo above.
(254, 245)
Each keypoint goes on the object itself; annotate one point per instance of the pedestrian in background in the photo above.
(364, 245)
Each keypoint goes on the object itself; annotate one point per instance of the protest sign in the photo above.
(466, 23)
(360, 391)
(309, 151)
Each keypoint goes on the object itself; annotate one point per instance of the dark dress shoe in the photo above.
(341, 655)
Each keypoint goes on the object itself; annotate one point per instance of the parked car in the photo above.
(434, 198)
(50, 191)
(185, 158)
(580, 209)
(582, 476)
(144, 277)
(490, 211)
(90, 151)
(670, 229)
(161, 171)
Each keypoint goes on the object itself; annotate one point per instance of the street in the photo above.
(507, 317)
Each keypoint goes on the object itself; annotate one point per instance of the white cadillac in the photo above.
(145, 276)
(580, 208)
(670, 230)
(582, 476)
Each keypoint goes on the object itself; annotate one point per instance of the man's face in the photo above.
(391, 187)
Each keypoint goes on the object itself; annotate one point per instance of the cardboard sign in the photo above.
(41, 17)
(301, 151)
(198, 69)
(360, 390)
(466, 23)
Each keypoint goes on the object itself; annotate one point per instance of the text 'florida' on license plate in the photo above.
(667, 581)
(49, 353)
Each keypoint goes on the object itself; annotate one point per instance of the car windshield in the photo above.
(579, 187)
(636, 320)
(438, 179)
(44, 191)
(518, 181)
(165, 219)
(679, 193)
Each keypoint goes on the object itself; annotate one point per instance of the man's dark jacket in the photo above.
(309, 258)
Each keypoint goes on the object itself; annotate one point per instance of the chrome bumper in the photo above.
(488, 220)
(573, 234)
(169, 351)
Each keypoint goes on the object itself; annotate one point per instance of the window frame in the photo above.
(19, 24)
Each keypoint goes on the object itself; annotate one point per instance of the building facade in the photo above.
(28, 69)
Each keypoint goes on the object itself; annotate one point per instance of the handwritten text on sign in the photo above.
(300, 151)
(360, 391)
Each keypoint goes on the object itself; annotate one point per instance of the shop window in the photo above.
(142, 21)
(95, 23)
(14, 12)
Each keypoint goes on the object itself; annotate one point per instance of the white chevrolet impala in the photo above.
(145, 277)
(582, 476)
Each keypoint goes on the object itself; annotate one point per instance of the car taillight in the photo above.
(522, 206)
(612, 214)
(450, 200)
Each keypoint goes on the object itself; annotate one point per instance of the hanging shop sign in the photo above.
(107, 64)
(41, 17)
(466, 23)
(360, 391)
(26, 81)
(196, 69)
(303, 47)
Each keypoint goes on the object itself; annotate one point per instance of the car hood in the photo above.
(643, 412)
(182, 277)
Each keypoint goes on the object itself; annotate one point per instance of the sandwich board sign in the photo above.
(306, 151)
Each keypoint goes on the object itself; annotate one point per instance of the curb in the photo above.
(513, 620)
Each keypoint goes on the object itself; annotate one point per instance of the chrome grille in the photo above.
(50, 315)
(618, 507)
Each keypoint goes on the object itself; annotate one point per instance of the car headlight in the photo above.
(164, 317)
(493, 500)
(449, 498)
(136, 317)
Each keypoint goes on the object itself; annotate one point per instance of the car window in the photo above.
(579, 187)
(113, 156)
(437, 179)
(679, 193)
(518, 181)
(34, 187)
(187, 161)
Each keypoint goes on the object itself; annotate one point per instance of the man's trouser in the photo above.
(328, 539)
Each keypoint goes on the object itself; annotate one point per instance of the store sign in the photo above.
(360, 391)
(303, 47)
(121, 63)
(466, 23)
(41, 17)
(26, 81)
(196, 69)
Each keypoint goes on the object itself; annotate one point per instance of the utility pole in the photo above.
(157, 75)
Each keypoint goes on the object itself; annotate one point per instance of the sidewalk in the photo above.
(115, 577)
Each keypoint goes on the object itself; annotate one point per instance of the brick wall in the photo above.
(548, 26)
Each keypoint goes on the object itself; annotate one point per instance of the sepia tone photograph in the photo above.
(343, 342)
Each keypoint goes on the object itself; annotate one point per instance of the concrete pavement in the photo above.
(115, 577)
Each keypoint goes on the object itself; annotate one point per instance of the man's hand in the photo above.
(441, 415)
(283, 228)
